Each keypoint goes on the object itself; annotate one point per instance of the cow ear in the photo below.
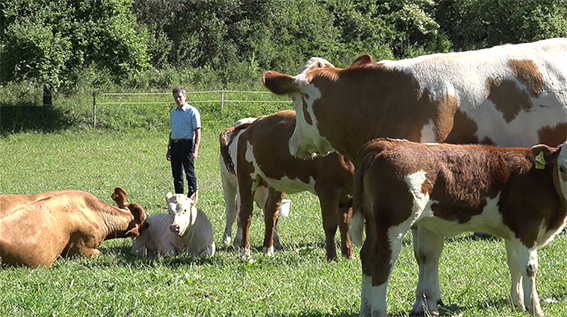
(194, 197)
(168, 196)
(362, 60)
(139, 220)
(542, 155)
(279, 84)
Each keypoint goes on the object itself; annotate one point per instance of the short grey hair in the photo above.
(179, 90)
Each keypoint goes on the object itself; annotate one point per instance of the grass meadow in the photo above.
(47, 149)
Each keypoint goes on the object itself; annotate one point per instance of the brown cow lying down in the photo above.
(36, 229)
(185, 229)
(514, 193)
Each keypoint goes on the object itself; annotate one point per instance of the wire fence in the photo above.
(219, 96)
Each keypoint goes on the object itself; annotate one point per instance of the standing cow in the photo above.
(36, 229)
(228, 144)
(514, 193)
(263, 160)
(511, 95)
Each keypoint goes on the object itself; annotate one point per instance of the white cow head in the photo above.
(547, 157)
(306, 139)
(182, 212)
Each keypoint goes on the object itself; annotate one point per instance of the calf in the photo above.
(228, 143)
(514, 193)
(186, 229)
(36, 229)
(263, 160)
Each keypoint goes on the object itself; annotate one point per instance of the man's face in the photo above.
(179, 99)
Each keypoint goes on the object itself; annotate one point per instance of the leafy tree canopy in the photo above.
(53, 42)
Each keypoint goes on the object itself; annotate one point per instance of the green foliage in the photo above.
(474, 24)
(52, 42)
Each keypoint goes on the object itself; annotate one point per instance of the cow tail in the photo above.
(224, 152)
(358, 218)
(225, 139)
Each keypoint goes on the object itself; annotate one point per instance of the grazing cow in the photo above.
(186, 229)
(511, 95)
(228, 143)
(36, 229)
(263, 159)
(514, 193)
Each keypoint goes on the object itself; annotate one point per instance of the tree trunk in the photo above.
(47, 98)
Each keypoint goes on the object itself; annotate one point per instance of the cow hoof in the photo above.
(433, 313)
(245, 253)
(227, 240)
(268, 251)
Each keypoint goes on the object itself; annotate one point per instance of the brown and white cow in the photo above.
(263, 160)
(36, 229)
(511, 95)
(228, 144)
(514, 193)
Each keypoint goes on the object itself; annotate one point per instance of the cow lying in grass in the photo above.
(36, 229)
(185, 229)
(261, 162)
(514, 193)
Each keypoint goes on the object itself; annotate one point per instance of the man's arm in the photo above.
(168, 154)
(196, 141)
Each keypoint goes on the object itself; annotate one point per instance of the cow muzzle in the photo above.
(175, 228)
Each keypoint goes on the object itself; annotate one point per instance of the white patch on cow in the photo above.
(489, 220)
(366, 295)
(464, 75)
(379, 308)
(428, 132)
(306, 139)
(285, 184)
(414, 183)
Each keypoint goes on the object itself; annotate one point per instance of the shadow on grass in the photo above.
(14, 119)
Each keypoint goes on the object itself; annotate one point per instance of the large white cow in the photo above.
(511, 95)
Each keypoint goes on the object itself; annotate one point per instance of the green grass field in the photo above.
(129, 151)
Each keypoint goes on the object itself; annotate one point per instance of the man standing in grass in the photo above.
(184, 139)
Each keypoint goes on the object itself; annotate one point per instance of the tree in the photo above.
(51, 43)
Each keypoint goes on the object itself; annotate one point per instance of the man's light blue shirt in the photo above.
(183, 123)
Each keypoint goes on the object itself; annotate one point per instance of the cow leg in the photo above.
(366, 285)
(245, 201)
(270, 219)
(516, 292)
(527, 261)
(427, 246)
(345, 215)
(229, 192)
(386, 249)
(329, 202)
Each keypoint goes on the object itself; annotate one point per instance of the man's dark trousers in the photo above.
(181, 154)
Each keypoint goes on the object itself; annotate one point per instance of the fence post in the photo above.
(222, 100)
(94, 109)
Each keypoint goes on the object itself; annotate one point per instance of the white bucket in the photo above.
(284, 208)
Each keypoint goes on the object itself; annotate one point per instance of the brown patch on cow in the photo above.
(460, 172)
(553, 136)
(447, 107)
(464, 129)
(527, 72)
(371, 98)
(508, 98)
(306, 114)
